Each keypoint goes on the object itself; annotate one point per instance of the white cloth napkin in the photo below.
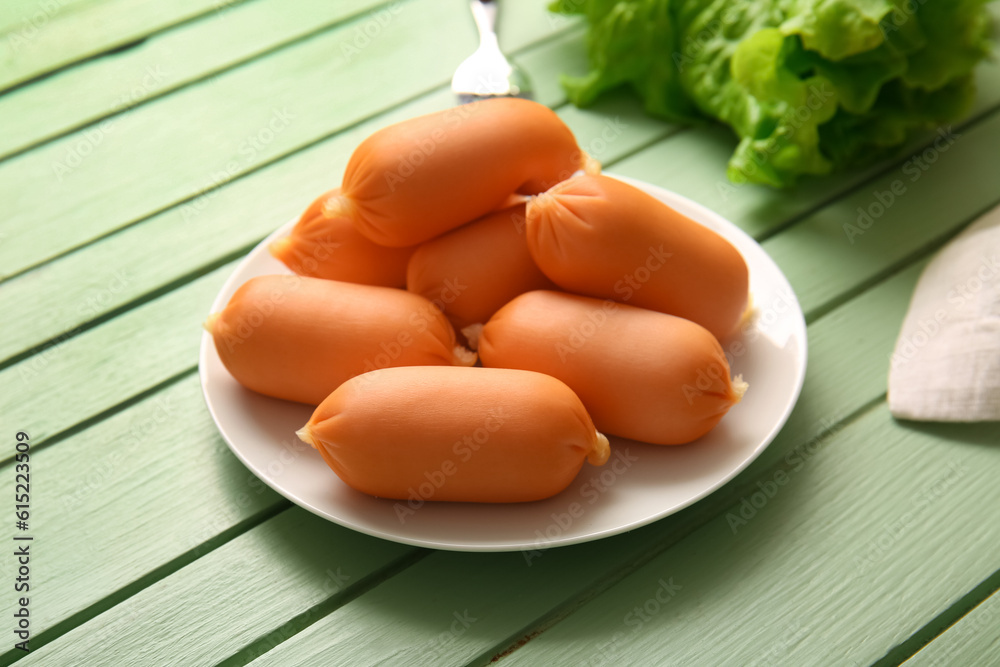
(946, 366)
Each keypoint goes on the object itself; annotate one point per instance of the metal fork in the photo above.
(487, 72)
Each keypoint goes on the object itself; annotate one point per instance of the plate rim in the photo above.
(799, 332)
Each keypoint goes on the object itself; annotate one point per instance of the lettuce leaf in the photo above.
(808, 86)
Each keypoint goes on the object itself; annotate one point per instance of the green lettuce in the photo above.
(808, 86)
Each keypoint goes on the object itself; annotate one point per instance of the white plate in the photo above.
(640, 484)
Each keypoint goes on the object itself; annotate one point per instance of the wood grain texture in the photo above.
(98, 179)
(80, 377)
(146, 486)
(173, 148)
(849, 357)
(207, 47)
(20, 14)
(95, 89)
(229, 598)
(61, 296)
(869, 520)
(869, 537)
(53, 36)
(973, 640)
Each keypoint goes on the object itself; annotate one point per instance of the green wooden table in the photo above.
(146, 147)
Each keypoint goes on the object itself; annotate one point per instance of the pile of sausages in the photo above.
(591, 304)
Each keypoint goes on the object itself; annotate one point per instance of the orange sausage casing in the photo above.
(299, 338)
(474, 270)
(419, 178)
(458, 434)
(600, 237)
(641, 374)
(325, 246)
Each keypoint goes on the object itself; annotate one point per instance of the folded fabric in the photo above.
(946, 366)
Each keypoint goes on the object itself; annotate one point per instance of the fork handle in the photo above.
(485, 14)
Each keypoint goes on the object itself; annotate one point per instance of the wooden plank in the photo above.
(207, 47)
(226, 600)
(173, 148)
(856, 336)
(510, 594)
(973, 640)
(105, 86)
(151, 484)
(49, 36)
(876, 521)
(448, 609)
(213, 132)
(61, 296)
(75, 380)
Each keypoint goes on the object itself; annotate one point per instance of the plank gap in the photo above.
(316, 140)
(205, 76)
(667, 134)
(150, 578)
(297, 624)
(104, 414)
(140, 300)
(926, 250)
(695, 520)
(181, 281)
(894, 165)
(113, 49)
(127, 46)
(236, 177)
(925, 635)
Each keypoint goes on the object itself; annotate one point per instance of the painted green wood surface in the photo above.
(20, 14)
(974, 640)
(193, 51)
(174, 428)
(151, 484)
(854, 334)
(845, 254)
(285, 567)
(112, 362)
(202, 136)
(869, 520)
(185, 238)
(49, 36)
(101, 87)
(186, 540)
(233, 217)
